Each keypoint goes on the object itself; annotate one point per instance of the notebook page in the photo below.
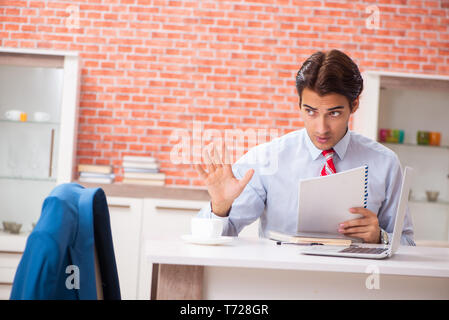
(324, 202)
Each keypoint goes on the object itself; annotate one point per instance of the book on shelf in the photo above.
(145, 175)
(84, 174)
(313, 238)
(96, 180)
(144, 182)
(94, 168)
(127, 169)
(140, 165)
(139, 159)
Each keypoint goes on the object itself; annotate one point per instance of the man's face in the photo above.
(325, 118)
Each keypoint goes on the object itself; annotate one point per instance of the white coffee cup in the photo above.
(206, 228)
(41, 116)
(13, 115)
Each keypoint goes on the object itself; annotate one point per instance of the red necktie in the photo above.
(328, 167)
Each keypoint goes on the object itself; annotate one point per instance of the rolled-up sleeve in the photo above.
(387, 212)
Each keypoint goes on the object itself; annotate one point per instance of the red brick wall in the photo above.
(150, 67)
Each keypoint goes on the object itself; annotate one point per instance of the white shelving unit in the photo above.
(34, 156)
(413, 103)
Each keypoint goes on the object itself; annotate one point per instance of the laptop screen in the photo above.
(400, 213)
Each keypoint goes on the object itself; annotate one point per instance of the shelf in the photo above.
(10, 242)
(28, 122)
(27, 178)
(414, 145)
(35, 155)
(439, 202)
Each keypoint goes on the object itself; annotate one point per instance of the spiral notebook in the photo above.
(324, 202)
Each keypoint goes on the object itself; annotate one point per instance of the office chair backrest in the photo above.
(73, 234)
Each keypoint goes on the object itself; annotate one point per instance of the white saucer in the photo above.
(208, 241)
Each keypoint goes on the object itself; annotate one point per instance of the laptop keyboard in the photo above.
(364, 250)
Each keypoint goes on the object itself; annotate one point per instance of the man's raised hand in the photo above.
(222, 185)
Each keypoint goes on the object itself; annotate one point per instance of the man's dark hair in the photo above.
(330, 72)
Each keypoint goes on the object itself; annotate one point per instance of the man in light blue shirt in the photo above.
(264, 182)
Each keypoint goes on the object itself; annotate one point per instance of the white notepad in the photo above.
(324, 202)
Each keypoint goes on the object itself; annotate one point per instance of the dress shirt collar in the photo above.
(340, 148)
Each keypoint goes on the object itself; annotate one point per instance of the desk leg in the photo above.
(177, 282)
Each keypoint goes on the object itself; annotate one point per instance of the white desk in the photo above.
(260, 269)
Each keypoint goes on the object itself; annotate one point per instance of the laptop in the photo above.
(370, 251)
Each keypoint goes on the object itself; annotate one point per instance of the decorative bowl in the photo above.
(432, 196)
(12, 227)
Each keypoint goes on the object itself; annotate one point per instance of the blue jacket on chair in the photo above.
(58, 261)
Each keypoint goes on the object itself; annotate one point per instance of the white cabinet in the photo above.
(170, 218)
(126, 216)
(413, 103)
(12, 247)
(163, 218)
(134, 220)
(37, 149)
(9, 262)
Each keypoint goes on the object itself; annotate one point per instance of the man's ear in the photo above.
(355, 104)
